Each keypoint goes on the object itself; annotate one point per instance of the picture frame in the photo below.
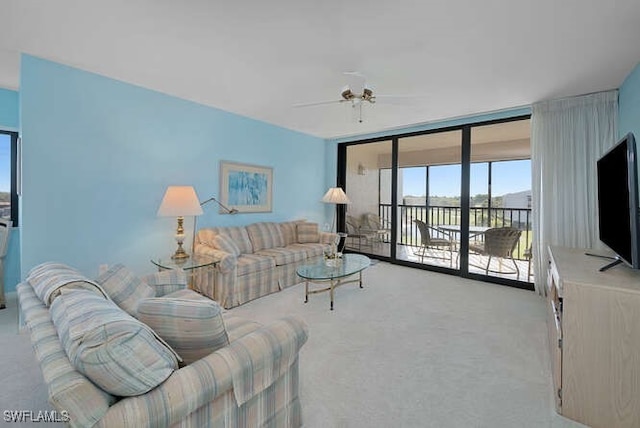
(246, 188)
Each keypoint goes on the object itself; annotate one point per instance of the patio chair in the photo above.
(356, 232)
(428, 242)
(373, 223)
(498, 242)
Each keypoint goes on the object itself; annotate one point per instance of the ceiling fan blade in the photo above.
(317, 103)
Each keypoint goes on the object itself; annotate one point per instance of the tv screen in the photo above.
(618, 200)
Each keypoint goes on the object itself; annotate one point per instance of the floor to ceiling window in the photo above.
(8, 191)
(456, 200)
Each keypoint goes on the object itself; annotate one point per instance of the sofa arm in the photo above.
(227, 262)
(167, 281)
(328, 237)
(271, 349)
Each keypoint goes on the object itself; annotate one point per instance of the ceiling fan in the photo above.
(357, 93)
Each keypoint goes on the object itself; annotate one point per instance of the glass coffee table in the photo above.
(335, 275)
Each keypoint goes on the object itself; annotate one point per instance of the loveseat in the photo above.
(257, 259)
(89, 344)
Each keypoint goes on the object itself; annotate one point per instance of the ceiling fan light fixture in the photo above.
(367, 94)
(346, 93)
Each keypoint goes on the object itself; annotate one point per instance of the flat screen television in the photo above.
(618, 202)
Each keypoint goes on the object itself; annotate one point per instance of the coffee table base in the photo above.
(333, 284)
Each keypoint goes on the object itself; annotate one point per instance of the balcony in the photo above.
(409, 237)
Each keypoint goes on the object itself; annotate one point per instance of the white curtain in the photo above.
(567, 138)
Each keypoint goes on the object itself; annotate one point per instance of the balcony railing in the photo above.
(445, 215)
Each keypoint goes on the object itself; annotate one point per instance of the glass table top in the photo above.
(194, 261)
(349, 265)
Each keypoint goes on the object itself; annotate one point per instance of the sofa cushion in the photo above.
(285, 256)
(307, 232)
(265, 235)
(312, 249)
(289, 232)
(47, 279)
(114, 350)
(192, 327)
(249, 263)
(124, 287)
(226, 244)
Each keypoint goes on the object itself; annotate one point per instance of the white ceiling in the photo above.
(258, 58)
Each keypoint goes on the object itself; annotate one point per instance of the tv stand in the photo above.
(593, 321)
(616, 261)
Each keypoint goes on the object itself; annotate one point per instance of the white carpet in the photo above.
(411, 349)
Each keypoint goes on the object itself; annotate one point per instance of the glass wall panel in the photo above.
(500, 212)
(368, 186)
(429, 187)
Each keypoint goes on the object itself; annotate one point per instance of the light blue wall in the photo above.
(629, 105)
(9, 110)
(98, 155)
(9, 122)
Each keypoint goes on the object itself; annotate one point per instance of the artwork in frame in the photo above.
(247, 188)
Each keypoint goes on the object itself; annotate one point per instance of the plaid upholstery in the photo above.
(237, 327)
(328, 237)
(237, 234)
(307, 232)
(312, 250)
(197, 395)
(124, 288)
(284, 256)
(117, 352)
(47, 279)
(251, 358)
(289, 232)
(226, 244)
(227, 262)
(68, 389)
(193, 328)
(187, 294)
(248, 263)
(265, 236)
(202, 394)
(167, 281)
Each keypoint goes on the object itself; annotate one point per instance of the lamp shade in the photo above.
(335, 195)
(179, 201)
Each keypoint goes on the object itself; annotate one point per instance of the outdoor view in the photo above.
(5, 176)
(429, 207)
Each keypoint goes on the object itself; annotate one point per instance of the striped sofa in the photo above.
(260, 259)
(250, 382)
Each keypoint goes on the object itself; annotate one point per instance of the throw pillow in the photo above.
(307, 233)
(48, 279)
(226, 244)
(193, 327)
(114, 350)
(289, 233)
(124, 288)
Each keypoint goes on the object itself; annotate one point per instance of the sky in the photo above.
(508, 177)
(5, 163)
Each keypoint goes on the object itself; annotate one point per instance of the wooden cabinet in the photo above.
(594, 336)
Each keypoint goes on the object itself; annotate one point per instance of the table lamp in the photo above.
(180, 201)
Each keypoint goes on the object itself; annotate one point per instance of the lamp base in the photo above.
(180, 254)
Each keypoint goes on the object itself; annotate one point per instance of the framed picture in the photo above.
(247, 188)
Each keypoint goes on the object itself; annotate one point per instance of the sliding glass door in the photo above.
(456, 200)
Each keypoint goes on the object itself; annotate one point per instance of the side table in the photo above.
(190, 265)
